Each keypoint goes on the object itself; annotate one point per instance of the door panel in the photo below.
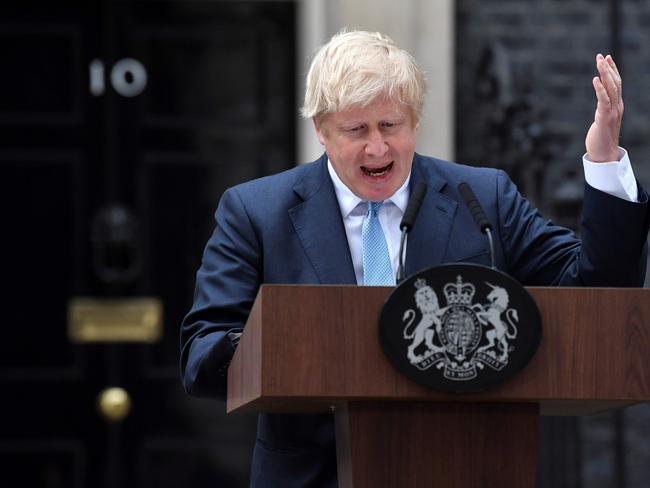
(95, 179)
(39, 195)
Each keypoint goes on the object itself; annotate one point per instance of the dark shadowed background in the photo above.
(121, 123)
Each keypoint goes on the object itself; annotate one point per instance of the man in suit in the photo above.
(311, 225)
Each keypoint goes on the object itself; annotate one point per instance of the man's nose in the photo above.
(376, 144)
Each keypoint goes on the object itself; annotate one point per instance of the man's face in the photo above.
(370, 147)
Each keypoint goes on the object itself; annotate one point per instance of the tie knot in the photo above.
(373, 207)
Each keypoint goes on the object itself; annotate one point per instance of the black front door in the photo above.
(121, 123)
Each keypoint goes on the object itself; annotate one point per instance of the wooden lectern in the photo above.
(316, 348)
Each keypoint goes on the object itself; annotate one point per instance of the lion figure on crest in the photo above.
(427, 302)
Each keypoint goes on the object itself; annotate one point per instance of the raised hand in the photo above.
(602, 138)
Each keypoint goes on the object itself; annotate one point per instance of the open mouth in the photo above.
(377, 172)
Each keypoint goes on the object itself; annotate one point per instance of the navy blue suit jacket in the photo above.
(287, 228)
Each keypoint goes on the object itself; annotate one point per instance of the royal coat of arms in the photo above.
(462, 336)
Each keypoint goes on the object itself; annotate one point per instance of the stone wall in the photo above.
(524, 102)
(550, 46)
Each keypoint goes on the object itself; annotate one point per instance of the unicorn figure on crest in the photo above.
(491, 315)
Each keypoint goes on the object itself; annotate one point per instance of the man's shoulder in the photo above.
(277, 193)
(453, 173)
(281, 189)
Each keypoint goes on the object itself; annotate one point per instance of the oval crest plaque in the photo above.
(460, 327)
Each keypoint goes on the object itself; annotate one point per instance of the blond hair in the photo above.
(356, 67)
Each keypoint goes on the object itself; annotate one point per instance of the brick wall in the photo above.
(551, 47)
(534, 125)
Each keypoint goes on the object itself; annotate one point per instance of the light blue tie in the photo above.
(377, 270)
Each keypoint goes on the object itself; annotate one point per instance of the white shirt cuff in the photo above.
(615, 177)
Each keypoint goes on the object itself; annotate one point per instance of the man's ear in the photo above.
(319, 131)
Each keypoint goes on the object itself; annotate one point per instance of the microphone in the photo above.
(483, 223)
(410, 214)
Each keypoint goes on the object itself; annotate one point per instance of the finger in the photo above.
(610, 77)
(601, 94)
(601, 66)
(607, 79)
(617, 76)
(611, 62)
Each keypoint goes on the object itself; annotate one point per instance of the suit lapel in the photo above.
(427, 242)
(319, 226)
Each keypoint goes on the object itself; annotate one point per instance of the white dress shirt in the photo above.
(615, 178)
(354, 209)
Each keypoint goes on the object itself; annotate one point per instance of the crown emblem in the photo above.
(459, 293)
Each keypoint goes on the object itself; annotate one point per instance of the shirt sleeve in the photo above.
(615, 177)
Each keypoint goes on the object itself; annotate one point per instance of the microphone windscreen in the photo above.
(413, 207)
(467, 194)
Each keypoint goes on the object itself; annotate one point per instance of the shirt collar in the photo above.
(348, 201)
